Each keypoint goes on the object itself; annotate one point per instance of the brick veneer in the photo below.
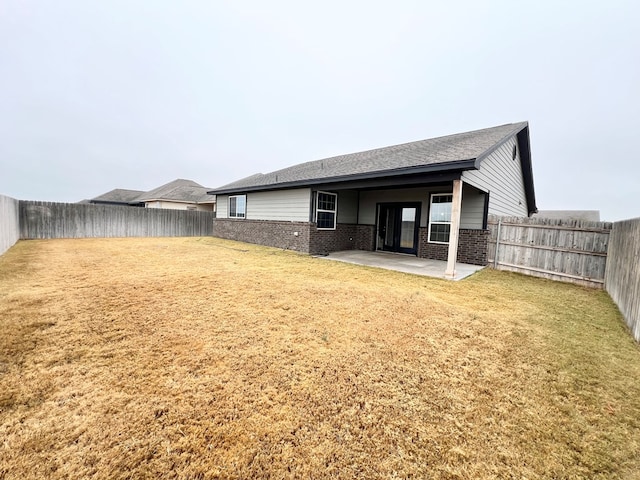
(472, 247)
(366, 237)
(309, 238)
(265, 232)
(326, 241)
(434, 251)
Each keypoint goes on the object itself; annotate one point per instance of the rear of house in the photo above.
(429, 198)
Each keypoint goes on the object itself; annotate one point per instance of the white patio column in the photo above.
(456, 207)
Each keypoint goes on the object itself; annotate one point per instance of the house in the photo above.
(179, 194)
(118, 196)
(429, 198)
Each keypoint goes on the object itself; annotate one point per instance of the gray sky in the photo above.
(96, 95)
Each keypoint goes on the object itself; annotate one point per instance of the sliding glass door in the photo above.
(398, 227)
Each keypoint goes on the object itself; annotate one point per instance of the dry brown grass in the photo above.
(203, 358)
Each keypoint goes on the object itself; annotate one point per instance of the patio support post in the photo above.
(456, 207)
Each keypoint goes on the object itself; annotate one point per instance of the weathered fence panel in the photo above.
(80, 220)
(9, 223)
(622, 280)
(566, 250)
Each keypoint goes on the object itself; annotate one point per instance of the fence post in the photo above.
(495, 255)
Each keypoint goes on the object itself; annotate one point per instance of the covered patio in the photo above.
(403, 263)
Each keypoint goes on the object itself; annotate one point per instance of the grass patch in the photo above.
(204, 358)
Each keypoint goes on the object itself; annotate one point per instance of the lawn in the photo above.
(205, 358)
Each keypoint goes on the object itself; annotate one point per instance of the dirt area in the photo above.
(204, 358)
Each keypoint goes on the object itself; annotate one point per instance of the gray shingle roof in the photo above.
(434, 152)
(179, 190)
(118, 195)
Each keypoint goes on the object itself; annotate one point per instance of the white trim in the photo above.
(335, 211)
(437, 223)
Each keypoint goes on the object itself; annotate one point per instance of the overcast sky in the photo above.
(96, 95)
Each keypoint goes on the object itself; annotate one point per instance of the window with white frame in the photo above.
(326, 204)
(237, 206)
(440, 217)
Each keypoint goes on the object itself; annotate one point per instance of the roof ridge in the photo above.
(426, 153)
(407, 143)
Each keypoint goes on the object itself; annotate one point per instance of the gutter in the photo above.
(458, 165)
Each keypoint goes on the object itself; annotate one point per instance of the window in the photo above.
(237, 206)
(326, 210)
(440, 217)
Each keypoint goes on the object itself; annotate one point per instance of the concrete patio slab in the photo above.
(403, 263)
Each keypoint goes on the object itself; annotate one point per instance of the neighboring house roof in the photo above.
(118, 195)
(590, 215)
(179, 190)
(462, 151)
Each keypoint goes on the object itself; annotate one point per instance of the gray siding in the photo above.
(9, 223)
(280, 205)
(348, 206)
(222, 206)
(472, 214)
(501, 176)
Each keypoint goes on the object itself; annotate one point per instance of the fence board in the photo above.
(9, 223)
(80, 220)
(622, 280)
(566, 250)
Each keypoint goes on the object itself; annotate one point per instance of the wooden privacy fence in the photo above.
(623, 271)
(9, 223)
(81, 220)
(567, 250)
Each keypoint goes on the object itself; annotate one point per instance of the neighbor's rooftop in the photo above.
(179, 190)
(118, 195)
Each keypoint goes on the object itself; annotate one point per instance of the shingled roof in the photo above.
(118, 195)
(453, 152)
(179, 190)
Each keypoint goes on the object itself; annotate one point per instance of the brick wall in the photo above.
(309, 238)
(265, 232)
(326, 241)
(366, 237)
(472, 247)
(434, 251)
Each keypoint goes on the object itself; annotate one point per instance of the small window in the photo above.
(191, 207)
(440, 217)
(326, 210)
(514, 152)
(237, 206)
